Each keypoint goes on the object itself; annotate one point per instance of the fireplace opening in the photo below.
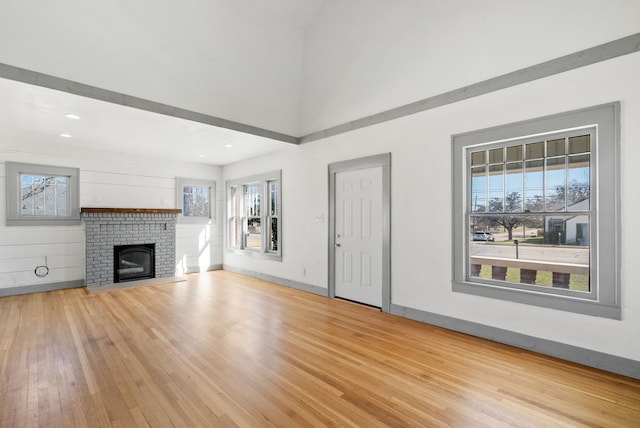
(133, 262)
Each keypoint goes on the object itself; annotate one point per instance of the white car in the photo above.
(483, 236)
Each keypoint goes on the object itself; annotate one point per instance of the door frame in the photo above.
(383, 161)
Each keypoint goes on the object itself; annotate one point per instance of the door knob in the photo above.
(337, 244)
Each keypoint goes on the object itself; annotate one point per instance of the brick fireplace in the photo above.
(107, 228)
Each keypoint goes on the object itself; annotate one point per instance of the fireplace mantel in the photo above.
(131, 210)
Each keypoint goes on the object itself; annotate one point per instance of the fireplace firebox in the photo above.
(133, 262)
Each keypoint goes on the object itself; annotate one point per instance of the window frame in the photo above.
(240, 216)
(13, 172)
(603, 299)
(181, 183)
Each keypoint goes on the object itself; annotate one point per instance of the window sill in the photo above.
(255, 254)
(532, 297)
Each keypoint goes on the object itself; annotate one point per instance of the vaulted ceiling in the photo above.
(239, 61)
(257, 74)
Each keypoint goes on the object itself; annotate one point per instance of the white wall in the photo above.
(106, 180)
(421, 204)
(236, 60)
(363, 57)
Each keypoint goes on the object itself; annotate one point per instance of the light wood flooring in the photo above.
(221, 349)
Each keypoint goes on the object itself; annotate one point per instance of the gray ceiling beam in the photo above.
(603, 52)
(47, 81)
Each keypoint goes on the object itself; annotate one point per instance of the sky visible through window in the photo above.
(531, 202)
(196, 201)
(43, 196)
(503, 180)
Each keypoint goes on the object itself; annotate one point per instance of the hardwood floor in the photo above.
(225, 350)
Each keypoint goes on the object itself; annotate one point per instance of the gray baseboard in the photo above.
(39, 288)
(280, 281)
(598, 360)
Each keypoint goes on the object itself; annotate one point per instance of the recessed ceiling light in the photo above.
(65, 135)
(228, 145)
(201, 156)
(72, 116)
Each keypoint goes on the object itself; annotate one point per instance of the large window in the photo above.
(196, 198)
(536, 212)
(254, 206)
(41, 195)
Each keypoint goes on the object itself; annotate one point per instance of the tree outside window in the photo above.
(42, 195)
(196, 199)
(536, 212)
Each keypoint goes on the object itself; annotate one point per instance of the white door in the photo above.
(358, 240)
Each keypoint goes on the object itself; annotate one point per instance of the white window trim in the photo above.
(605, 253)
(181, 182)
(13, 171)
(263, 179)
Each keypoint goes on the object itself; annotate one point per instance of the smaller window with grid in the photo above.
(42, 195)
(196, 199)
